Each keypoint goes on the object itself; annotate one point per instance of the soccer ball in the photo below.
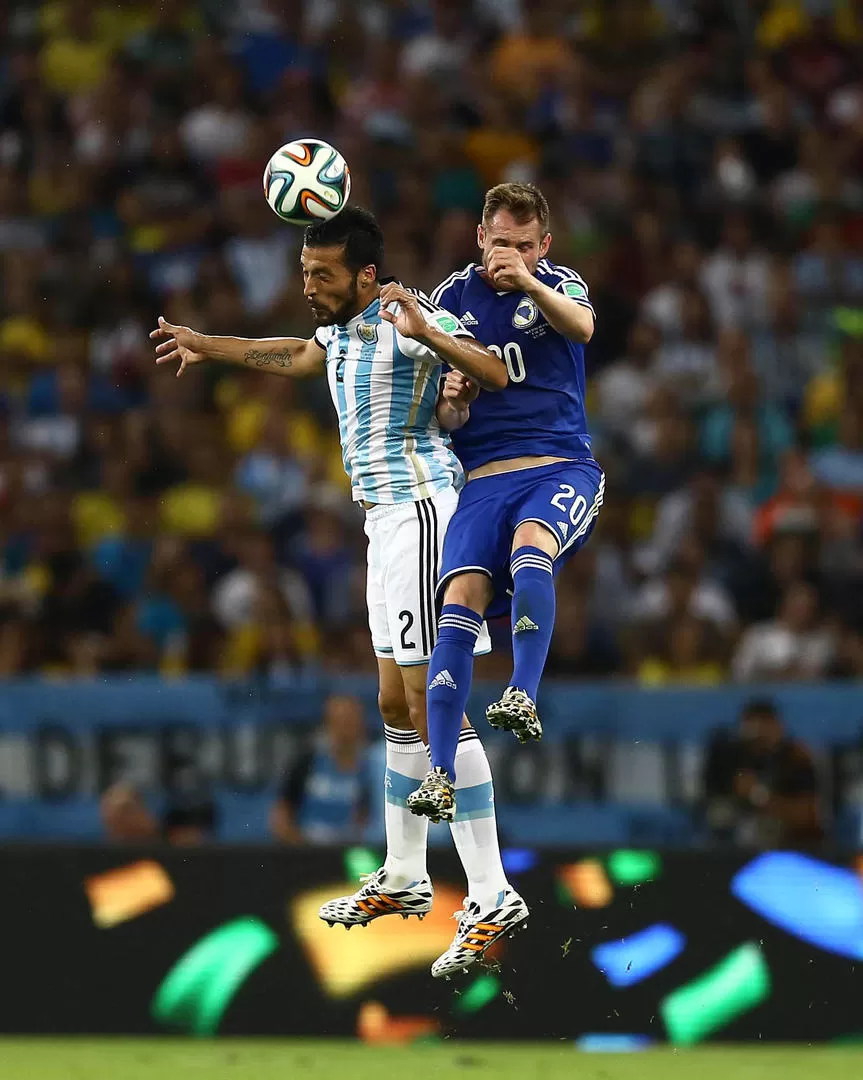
(307, 181)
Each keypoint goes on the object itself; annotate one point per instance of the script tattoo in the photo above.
(269, 358)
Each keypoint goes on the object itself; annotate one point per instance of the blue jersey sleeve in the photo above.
(566, 281)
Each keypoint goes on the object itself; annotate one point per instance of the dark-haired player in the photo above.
(382, 347)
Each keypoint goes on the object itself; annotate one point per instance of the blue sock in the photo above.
(533, 607)
(450, 673)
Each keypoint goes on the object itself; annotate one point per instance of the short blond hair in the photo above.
(524, 201)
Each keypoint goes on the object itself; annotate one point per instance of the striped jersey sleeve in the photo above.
(566, 281)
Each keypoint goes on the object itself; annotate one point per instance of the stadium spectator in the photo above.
(797, 644)
(761, 786)
(326, 794)
(188, 819)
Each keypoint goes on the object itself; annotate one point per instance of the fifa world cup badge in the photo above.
(368, 333)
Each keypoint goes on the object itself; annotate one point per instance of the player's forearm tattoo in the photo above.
(282, 358)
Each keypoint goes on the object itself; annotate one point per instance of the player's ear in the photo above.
(544, 245)
(367, 275)
(480, 236)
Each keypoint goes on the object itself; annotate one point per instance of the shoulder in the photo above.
(439, 316)
(323, 336)
(424, 300)
(451, 288)
(563, 279)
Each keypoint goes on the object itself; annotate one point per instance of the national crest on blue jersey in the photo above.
(368, 333)
(525, 315)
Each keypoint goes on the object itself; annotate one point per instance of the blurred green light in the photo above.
(563, 894)
(480, 992)
(633, 867)
(360, 860)
(196, 991)
(738, 983)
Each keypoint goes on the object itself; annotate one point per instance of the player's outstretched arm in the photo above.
(453, 405)
(464, 353)
(296, 357)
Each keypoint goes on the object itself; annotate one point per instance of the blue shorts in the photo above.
(564, 496)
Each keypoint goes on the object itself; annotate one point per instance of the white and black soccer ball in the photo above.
(307, 181)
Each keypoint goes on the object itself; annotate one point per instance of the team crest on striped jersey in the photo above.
(525, 315)
(368, 332)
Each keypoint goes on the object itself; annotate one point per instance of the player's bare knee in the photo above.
(469, 590)
(533, 534)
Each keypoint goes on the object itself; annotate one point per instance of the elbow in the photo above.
(496, 379)
(584, 332)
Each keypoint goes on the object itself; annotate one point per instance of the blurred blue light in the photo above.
(518, 860)
(638, 956)
(612, 1044)
(816, 902)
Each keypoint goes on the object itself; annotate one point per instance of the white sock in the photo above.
(407, 834)
(475, 827)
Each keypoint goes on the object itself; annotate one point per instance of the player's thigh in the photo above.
(558, 508)
(412, 536)
(476, 546)
(376, 597)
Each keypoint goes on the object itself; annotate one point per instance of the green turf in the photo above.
(127, 1059)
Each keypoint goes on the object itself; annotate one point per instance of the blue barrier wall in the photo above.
(617, 762)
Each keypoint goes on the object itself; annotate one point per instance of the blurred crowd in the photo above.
(703, 164)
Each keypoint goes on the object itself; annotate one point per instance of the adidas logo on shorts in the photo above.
(443, 678)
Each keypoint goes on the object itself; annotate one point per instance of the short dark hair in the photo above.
(354, 229)
(761, 707)
(524, 201)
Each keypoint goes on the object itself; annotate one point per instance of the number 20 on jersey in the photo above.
(513, 357)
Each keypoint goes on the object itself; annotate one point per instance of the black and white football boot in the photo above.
(374, 899)
(478, 930)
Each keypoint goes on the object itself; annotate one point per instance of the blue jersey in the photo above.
(541, 412)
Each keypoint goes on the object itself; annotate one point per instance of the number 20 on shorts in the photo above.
(577, 508)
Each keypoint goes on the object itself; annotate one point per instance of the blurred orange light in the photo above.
(376, 1026)
(587, 883)
(128, 892)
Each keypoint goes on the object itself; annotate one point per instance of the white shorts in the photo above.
(405, 546)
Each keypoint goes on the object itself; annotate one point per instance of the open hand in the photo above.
(180, 343)
(408, 319)
(506, 270)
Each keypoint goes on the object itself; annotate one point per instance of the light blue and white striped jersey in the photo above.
(385, 390)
